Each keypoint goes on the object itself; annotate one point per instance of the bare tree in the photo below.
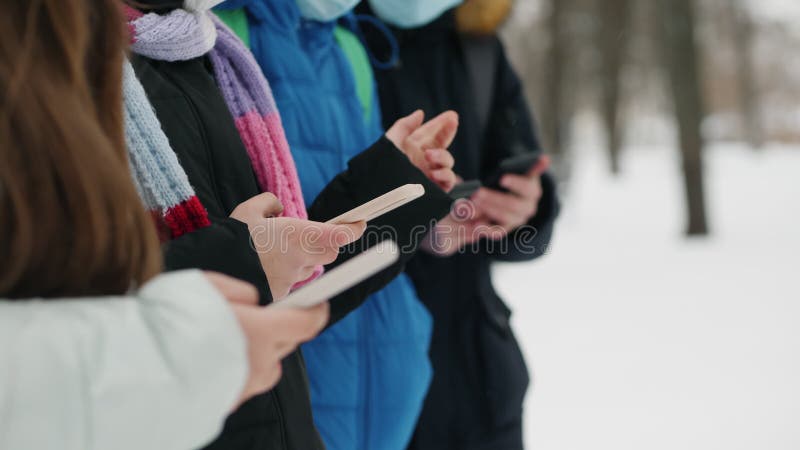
(680, 60)
(553, 101)
(743, 35)
(614, 25)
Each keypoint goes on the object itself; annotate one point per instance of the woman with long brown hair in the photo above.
(96, 350)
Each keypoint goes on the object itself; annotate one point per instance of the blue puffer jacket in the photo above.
(370, 372)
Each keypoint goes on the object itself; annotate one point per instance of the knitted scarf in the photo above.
(186, 34)
(157, 174)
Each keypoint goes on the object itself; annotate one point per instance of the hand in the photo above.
(261, 206)
(271, 334)
(426, 145)
(463, 226)
(515, 208)
(291, 249)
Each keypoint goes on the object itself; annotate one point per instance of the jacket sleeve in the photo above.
(511, 132)
(372, 173)
(224, 247)
(159, 369)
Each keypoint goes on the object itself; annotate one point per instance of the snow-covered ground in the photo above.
(640, 339)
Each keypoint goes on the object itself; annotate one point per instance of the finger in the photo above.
(305, 328)
(267, 204)
(540, 167)
(235, 291)
(404, 127)
(501, 216)
(284, 349)
(486, 230)
(344, 234)
(307, 272)
(297, 325)
(448, 128)
(440, 158)
(504, 209)
(318, 237)
(438, 132)
(272, 206)
(510, 202)
(445, 178)
(327, 256)
(522, 186)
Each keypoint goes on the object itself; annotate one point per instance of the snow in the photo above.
(778, 10)
(640, 338)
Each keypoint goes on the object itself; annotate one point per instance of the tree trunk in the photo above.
(680, 60)
(748, 92)
(614, 20)
(552, 117)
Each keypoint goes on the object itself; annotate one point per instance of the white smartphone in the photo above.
(381, 205)
(343, 277)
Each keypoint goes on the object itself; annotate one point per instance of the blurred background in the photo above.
(666, 315)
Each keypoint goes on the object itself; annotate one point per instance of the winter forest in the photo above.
(665, 315)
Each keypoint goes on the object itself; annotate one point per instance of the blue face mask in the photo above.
(411, 13)
(325, 10)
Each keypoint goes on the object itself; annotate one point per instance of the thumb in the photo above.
(404, 127)
(268, 204)
(300, 324)
(540, 167)
(344, 234)
(438, 132)
(446, 126)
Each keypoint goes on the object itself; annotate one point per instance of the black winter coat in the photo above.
(480, 377)
(202, 133)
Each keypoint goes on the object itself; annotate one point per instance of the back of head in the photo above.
(70, 219)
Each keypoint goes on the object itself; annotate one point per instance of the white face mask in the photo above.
(200, 5)
(411, 13)
(325, 10)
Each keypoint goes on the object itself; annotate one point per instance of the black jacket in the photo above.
(480, 378)
(202, 133)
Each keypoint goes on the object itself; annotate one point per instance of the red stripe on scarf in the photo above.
(185, 217)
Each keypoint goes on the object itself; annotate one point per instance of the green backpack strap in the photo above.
(362, 69)
(236, 19)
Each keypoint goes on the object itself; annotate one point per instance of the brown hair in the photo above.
(71, 222)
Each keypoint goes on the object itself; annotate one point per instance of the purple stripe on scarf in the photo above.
(248, 78)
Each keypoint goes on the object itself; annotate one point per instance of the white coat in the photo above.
(156, 370)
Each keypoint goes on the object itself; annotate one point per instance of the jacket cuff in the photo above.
(223, 247)
(378, 170)
(372, 173)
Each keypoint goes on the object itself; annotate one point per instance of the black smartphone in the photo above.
(519, 165)
(465, 189)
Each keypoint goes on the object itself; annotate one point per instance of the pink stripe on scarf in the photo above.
(277, 174)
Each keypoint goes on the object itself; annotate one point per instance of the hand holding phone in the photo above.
(517, 165)
(516, 197)
(343, 277)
